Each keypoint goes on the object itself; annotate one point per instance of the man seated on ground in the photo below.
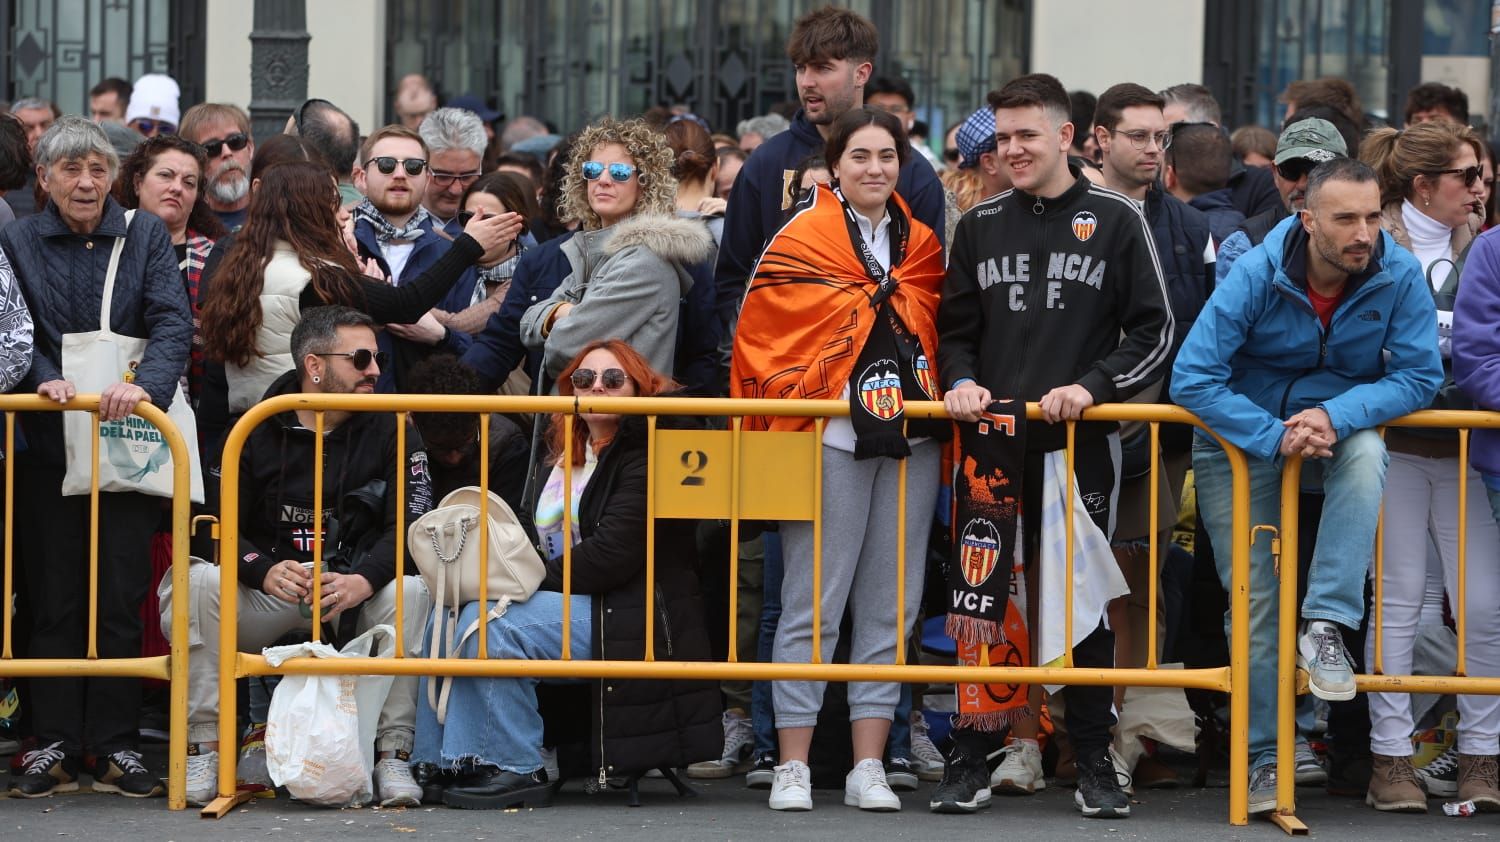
(1264, 368)
(334, 349)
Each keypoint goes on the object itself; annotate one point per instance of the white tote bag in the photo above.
(133, 456)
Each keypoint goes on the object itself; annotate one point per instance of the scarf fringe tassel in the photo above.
(993, 721)
(972, 629)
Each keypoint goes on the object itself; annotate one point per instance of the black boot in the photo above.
(500, 789)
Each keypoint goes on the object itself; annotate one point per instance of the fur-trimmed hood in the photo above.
(673, 239)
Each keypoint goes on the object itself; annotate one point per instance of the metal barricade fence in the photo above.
(172, 668)
(1291, 681)
(697, 474)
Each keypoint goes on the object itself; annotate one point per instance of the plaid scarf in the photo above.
(385, 232)
(198, 248)
(987, 612)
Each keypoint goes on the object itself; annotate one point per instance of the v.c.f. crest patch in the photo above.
(1084, 225)
(925, 380)
(880, 390)
(980, 551)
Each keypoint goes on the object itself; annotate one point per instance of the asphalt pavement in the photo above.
(723, 810)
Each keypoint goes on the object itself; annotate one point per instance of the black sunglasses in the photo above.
(362, 357)
(387, 165)
(1469, 174)
(1293, 169)
(584, 378)
(235, 142)
(951, 155)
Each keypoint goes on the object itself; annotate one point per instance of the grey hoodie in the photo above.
(627, 282)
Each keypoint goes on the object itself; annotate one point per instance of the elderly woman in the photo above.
(492, 734)
(60, 257)
(1431, 191)
(629, 268)
(165, 176)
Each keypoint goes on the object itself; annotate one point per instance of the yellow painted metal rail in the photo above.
(172, 667)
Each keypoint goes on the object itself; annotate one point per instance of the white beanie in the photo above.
(154, 97)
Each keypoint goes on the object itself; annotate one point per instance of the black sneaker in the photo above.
(500, 790)
(965, 787)
(762, 773)
(1100, 793)
(900, 776)
(124, 773)
(45, 771)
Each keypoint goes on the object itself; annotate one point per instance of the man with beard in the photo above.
(402, 238)
(1265, 368)
(334, 351)
(224, 130)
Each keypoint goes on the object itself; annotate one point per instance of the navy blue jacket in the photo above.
(1253, 190)
(61, 274)
(1223, 217)
(498, 349)
(758, 205)
(404, 354)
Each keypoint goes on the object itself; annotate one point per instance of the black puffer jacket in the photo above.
(640, 724)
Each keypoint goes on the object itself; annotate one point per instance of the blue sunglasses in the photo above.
(618, 173)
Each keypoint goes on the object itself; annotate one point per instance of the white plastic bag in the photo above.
(320, 733)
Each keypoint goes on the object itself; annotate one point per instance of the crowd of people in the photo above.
(1296, 288)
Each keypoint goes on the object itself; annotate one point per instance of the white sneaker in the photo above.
(739, 742)
(1020, 772)
(792, 789)
(925, 757)
(865, 787)
(202, 778)
(393, 784)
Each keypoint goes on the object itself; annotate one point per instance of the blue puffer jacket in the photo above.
(1258, 353)
(61, 274)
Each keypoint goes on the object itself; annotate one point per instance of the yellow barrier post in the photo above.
(1286, 689)
(1232, 679)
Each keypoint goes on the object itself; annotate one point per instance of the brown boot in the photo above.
(1477, 779)
(1394, 787)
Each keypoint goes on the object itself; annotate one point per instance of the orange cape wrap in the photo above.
(807, 312)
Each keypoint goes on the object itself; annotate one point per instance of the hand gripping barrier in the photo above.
(697, 474)
(1292, 681)
(172, 668)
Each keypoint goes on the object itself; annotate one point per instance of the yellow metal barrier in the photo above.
(1291, 681)
(170, 668)
(698, 475)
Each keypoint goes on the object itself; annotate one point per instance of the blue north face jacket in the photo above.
(1258, 354)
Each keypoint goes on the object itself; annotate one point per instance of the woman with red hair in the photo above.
(492, 735)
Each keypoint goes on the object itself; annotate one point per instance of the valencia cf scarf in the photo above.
(820, 312)
(986, 578)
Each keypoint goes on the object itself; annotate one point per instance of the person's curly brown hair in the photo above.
(653, 160)
(201, 219)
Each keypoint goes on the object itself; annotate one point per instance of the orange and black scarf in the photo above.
(820, 313)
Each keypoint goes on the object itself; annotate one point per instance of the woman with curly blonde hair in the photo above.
(629, 262)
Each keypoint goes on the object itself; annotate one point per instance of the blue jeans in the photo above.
(1353, 482)
(495, 721)
(762, 710)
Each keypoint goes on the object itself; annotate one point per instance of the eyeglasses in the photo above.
(889, 109)
(1470, 174)
(387, 165)
(1294, 169)
(618, 173)
(1140, 139)
(361, 358)
(444, 179)
(584, 378)
(951, 155)
(235, 142)
(148, 126)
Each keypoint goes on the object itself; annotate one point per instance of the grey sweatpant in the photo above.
(859, 569)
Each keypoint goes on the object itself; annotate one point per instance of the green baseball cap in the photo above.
(1313, 139)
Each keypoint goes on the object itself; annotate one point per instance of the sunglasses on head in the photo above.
(617, 172)
(584, 378)
(387, 165)
(1293, 169)
(361, 358)
(147, 126)
(1469, 174)
(235, 142)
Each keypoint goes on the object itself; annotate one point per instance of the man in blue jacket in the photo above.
(1319, 335)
